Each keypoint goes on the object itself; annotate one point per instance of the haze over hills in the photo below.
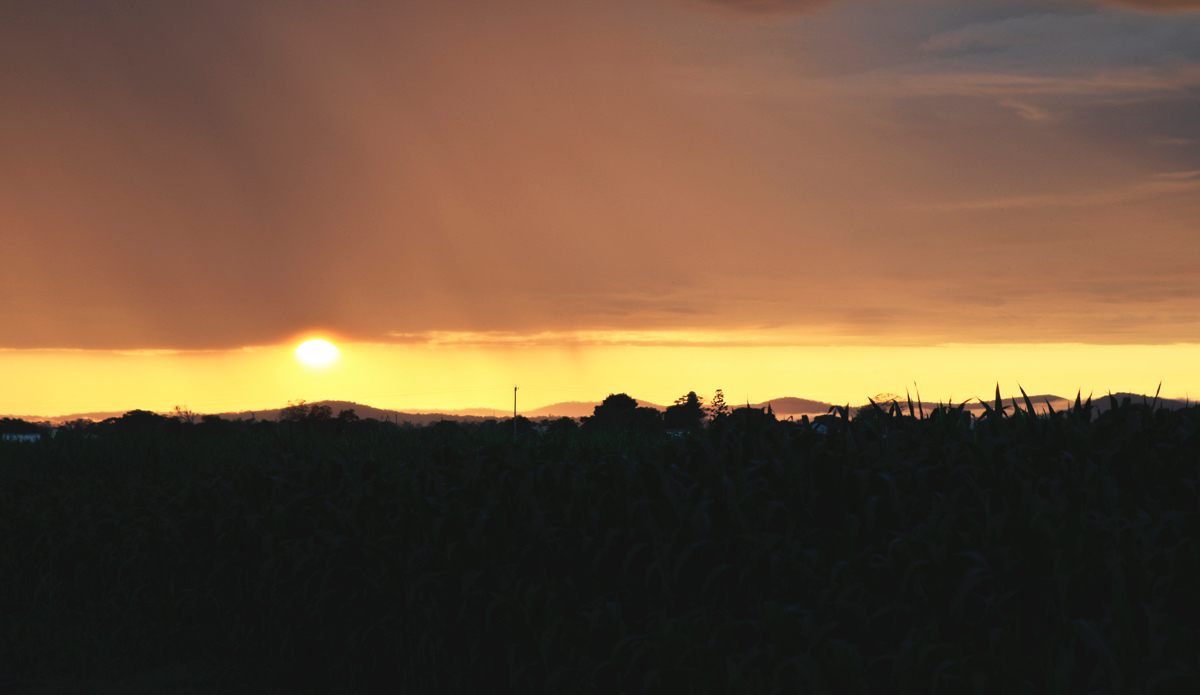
(577, 409)
(1043, 402)
(788, 406)
(362, 411)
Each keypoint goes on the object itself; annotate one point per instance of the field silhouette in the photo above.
(873, 551)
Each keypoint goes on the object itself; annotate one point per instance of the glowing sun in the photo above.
(317, 353)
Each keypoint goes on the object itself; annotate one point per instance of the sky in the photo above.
(818, 199)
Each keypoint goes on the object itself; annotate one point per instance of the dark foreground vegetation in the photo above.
(894, 552)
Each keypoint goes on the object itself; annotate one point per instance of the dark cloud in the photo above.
(222, 174)
(767, 7)
(1158, 5)
(207, 175)
(785, 7)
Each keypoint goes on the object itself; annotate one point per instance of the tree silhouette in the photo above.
(183, 414)
(717, 409)
(10, 425)
(885, 401)
(140, 421)
(215, 424)
(619, 411)
(302, 411)
(294, 412)
(751, 419)
(564, 424)
(522, 424)
(686, 414)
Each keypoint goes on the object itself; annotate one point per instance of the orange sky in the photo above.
(712, 190)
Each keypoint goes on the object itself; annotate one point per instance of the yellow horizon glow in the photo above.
(52, 383)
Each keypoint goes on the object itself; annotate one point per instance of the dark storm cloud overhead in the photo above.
(766, 7)
(153, 148)
(1160, 5)
(786, 7)
(201, 175)
(223, 174)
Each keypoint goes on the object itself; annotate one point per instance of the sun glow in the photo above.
(317, 353)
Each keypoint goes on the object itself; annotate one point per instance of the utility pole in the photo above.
(514, 414)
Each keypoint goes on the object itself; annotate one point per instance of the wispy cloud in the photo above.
(1028, 111)
(916, 82)
(1169, 183)
(1046, 67)
(761, 7)
(1173, 142)
(1158, 5)
(575, 339)
(792, 7)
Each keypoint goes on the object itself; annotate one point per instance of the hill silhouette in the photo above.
(784, 407)
(577, 409)
(790, 405)
(364, 412)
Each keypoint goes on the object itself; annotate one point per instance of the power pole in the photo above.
(514, 414)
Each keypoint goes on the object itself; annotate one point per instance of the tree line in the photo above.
(618, 411)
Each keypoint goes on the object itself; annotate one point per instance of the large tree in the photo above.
(686, 414)
(717, 409)
(619, 411)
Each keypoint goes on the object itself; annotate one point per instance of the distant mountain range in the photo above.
(785, 407)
